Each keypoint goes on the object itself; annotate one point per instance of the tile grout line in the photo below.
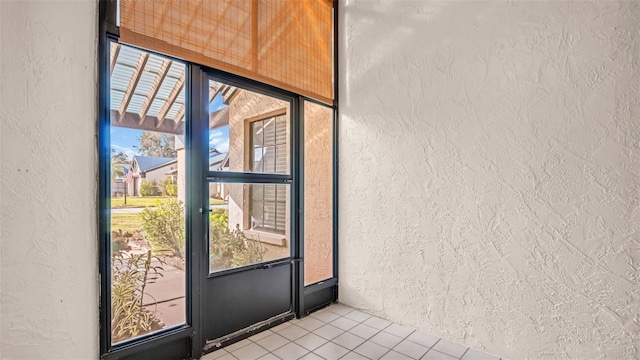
(376, 333)
(402, 339)
(344, 316)
(369, 339)
(431, 348)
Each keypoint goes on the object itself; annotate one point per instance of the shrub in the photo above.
(169, 188)
(130, 276)
(230, 248)
(164, 226)
(119, 243)
(149, 188)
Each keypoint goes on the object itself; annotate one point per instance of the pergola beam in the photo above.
(135, 78)
(173, 95)
(115, 51)
(179, 117)
(150, 123)
(155, 86)
(229, 95)
(214, 90)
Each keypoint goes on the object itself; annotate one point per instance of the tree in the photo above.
(119, 162)
(119, 157)
(156, 144)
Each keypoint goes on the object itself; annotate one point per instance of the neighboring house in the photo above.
(149, 168)
(218, 162)
(117, 187)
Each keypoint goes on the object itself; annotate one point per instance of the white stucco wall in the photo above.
(490, 172)
(48, 97)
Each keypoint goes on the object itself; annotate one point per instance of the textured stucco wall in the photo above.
(48, 96)
(490, 172)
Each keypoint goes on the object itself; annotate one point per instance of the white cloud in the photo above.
(223, 147)
(127, 151)
(216, 136)
(219, 140)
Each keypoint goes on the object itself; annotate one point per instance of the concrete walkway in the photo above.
(166, 297)
(127, 210)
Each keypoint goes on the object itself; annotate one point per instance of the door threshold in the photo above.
(218, 343)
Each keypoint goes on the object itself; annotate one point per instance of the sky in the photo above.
(124, 139)
(219, 137)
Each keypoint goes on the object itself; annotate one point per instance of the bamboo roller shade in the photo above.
(284, 43)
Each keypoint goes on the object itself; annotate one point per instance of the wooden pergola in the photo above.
(147, 92)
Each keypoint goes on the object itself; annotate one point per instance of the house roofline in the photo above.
(162, 165)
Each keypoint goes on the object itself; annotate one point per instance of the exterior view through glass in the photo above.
(248, 224)
(147, 193)
(248, 133)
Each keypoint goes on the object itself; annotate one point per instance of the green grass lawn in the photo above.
(136, 201)
(126, 222)
(145, 201)
(131, 221)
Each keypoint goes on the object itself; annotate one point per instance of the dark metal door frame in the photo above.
(201, 177)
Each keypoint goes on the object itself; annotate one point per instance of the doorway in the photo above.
(250, 233)
(237, 190)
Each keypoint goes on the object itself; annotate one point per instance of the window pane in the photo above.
(147, 193)
(281, 159)
(258, 162)
(258, 133)
(269, 159)
(269, 192)
(281, 212)
(248, 232)
(269, 132)
(248, 132)
(318, 193)
(269, 222)
(257, 214)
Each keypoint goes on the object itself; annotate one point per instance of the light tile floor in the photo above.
(341, 332)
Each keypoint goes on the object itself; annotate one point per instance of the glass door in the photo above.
(250, 198)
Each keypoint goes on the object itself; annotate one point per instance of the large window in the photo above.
(147, 188)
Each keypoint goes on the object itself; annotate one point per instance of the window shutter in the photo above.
(268, 202)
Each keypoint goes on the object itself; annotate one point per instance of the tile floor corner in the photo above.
(341, 332)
